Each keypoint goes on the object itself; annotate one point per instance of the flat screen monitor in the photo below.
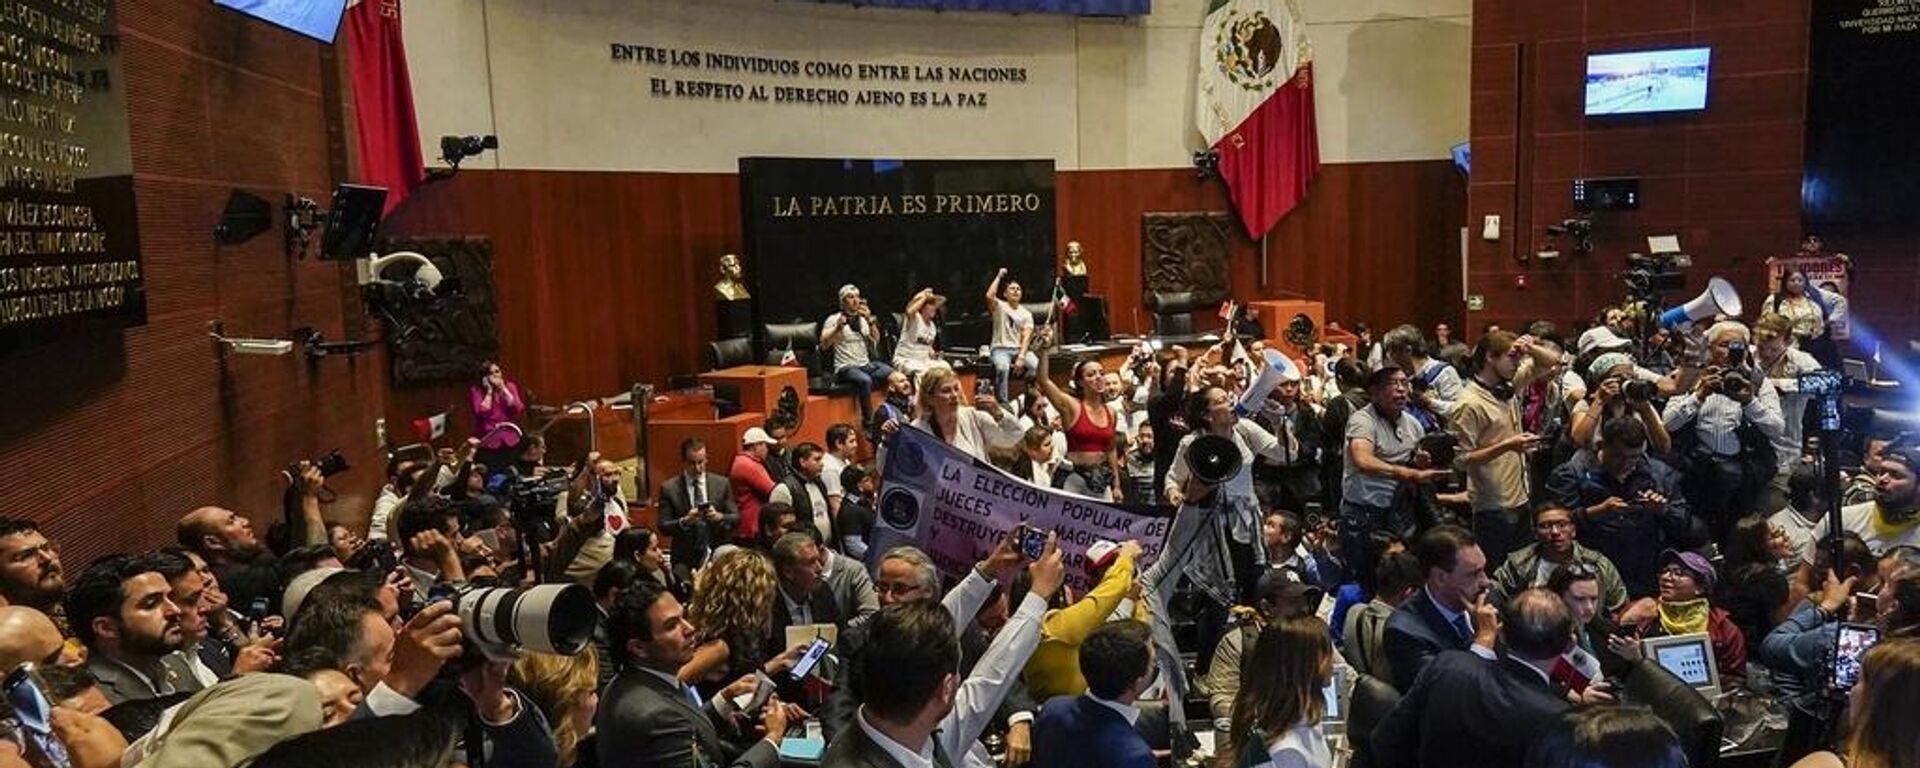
(1639, 82)
(318, 19)
(1688, 657)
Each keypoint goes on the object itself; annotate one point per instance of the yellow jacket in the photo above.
(1054, 668)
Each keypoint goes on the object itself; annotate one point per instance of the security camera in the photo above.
(454, 149)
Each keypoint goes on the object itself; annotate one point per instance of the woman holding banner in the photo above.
(1092, 428)
(972, 430)
(1805, 308)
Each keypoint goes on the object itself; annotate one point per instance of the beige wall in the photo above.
(1391, 82)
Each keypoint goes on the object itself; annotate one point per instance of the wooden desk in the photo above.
(722, 437)
(759, 385)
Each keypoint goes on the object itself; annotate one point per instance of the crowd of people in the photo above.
(1489, 532)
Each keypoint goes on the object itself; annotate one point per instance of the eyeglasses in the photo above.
(886, 588)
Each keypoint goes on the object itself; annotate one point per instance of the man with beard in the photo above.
(1892, 518)
(225, 538)
(195, 598)
(30, 572)
(121, 608)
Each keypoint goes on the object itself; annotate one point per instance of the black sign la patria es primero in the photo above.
(69, 249)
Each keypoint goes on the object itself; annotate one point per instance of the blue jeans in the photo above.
(861, 378)
(1003, 368)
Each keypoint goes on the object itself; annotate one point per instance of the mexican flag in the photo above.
(1254, 106)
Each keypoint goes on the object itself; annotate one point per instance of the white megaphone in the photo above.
(1279, 368)
(1718, 299)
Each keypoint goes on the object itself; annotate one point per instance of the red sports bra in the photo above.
(1084, 436)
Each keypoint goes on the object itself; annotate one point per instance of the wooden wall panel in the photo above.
(108, 440)
(603, 278)
(1726, 180)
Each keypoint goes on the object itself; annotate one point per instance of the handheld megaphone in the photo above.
(1718, 299)
(1213, 459)
(1279, 368)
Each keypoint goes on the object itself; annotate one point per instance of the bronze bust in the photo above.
(730, 288)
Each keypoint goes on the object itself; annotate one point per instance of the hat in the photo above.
(848, 290)
(1608, 362)
(757, 436)
(1692, 561)
(1600, 337)
(1283, 583)
(1101, 554)
(298, 588)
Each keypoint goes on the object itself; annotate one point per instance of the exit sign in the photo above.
(1476, 302)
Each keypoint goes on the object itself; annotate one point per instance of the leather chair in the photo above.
(1042, 311)
(804, 339)
(1372, 699)
(1172, 312)
(1691, 716)
(727, 353)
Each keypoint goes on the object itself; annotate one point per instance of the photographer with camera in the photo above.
(247, 570)
(1618, 392)
(584, 543)
(1724, 430)
(853, 335)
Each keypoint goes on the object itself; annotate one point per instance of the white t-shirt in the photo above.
(1302, 746)
(1393, 444)
(851, 347)
(1860, 518)
(915, 350)
(1800, 531)
(1793, 404)
(1008, 324)
(830, 468)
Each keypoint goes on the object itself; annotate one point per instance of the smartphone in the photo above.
(1031, 541)
(1850, 644)
(1316, 515)
(34, 712)
(805, 665)
(1866, 605)
(763, 688)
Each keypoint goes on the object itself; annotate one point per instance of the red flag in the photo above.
(1254, 106)
(383, 100)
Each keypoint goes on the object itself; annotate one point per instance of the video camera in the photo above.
(1650, 277)
(532, 500)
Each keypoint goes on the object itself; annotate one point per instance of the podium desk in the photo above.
(722, 437)
(759, 385)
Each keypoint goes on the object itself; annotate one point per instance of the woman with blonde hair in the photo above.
(1881, 709)
(563, 689)
(732, 615)
(1276, 715)
(942, 411)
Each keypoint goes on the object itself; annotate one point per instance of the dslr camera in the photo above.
(1638, 391)
(330, 464)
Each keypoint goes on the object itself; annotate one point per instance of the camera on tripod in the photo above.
(1650, 277)
(532, 501)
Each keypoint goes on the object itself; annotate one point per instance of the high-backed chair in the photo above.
(1691, 716)
(1372, 699)
(1172, 312)
(727, 353)
(803, 338)
(1042, 311)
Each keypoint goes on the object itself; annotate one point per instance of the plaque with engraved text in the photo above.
(69, 250)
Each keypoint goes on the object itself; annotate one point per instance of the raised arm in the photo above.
(993, 289)
(919, 300)
(1059, 398)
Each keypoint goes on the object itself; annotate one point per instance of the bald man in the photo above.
(28, 635)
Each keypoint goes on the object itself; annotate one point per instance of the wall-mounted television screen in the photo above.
(1636, 82)
(318, 19)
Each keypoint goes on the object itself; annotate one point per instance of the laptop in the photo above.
(1688, 657)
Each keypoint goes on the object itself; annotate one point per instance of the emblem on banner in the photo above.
(900, 509)
(1248, 47)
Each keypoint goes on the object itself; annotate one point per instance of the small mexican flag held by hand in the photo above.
(1254, 106)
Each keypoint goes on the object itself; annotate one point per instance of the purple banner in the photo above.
(1071, 7)
(957, 509)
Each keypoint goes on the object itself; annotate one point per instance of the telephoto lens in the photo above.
(549, 618)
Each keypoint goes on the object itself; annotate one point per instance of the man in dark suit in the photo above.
(696, 509)
(1449, 613)
(906, 678)
(1468, 712)
(1097, 728)
(802, 596)
(649, 718)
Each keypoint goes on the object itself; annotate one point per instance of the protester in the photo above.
(1681, 607)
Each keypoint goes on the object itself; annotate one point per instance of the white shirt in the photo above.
(850, 347)
(830, 468)
(1128, 711)
(1008, 324)
(907, 757)
(976, 430)
(1447, 387)
(1793, 405)
(1251, 438)
(822, 516)
(1801, 531)
(383, 508)
(915, 350)
(1302, 746)
(1859, 518)
(1715, 419)
(999, 666)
